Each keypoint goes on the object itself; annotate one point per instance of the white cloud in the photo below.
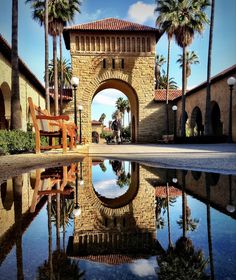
(85, 17)
(108, 97)
(142, 268)
(141, 12)
(109, 188)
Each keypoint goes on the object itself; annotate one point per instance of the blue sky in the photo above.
(31, 38)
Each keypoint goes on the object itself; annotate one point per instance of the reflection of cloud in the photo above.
(108, 97)
(109, 188)
(141, 12)
(143, 268)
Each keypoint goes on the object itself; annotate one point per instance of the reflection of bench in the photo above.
(51, 127)
(167, 139)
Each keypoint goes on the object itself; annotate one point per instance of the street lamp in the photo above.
(231, 82)
(81, 181)
(76, 210)
(80, 108)
(175, 180)
(230, 207)
(75, 82)
(174, 108)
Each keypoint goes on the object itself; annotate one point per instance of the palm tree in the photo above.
(159, 61)
(208, 95)
(182, 262)
(163, 81)
(191, 19)
(167, 21)
(16, 121)
(128, 110)
(102, 118)
(66, 69)
(121, 105)
(191, 58)
(46, 57)
(59, 12)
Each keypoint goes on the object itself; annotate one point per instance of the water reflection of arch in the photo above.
(212, 178)
(127, 197)
(196, 175)
(7, 194)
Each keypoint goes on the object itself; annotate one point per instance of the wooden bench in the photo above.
(52, 127)
(166, 139)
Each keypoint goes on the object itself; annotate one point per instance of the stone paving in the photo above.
(211, 157)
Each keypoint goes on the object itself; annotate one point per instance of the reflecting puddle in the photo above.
(114, 219)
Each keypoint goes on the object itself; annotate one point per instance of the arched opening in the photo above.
(104, 101)
(7, 194)
(3, 121)
(95, 137)
(216, 124)
(196, 126)
(5, 106)
(186, 124)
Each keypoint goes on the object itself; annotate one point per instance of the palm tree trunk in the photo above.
(183, 118)
(46, 57)
(55, 75)
(16, 121)
(167, 87)
(168, 215)
(17, 193)
(208, 192)
(208, 129)
(58, 201)
(61, 78)
(183, 204)
(50, 237)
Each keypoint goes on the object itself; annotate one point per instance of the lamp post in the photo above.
(75, 82)
(231, 82)
(174, 108)
(77, 210)
(81, 181)
(80, 108)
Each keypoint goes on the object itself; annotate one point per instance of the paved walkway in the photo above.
(213, 158)
(209, 157)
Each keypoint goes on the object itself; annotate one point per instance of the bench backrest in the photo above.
(40, 124)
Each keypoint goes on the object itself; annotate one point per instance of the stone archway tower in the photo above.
(113, 53)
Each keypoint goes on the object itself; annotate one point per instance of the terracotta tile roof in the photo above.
(160, 94)
(66, 96)
(94, 122)
(161, 191)
(112, 24)
(113, 259)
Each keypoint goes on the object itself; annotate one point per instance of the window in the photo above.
(103, 44)
(92, 44)
(123, 44)
(128, 44)
(82, 44)
(118, 44)
(104, 63)
(108, 44)
(113, 63)
(77, 43)
(143, 45)
(98, 44)
(148, 45)
(87, 44)
(138, 44)
(113, 45)
(122, 63)
(133, 45)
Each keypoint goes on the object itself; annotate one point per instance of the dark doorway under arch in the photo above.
(216, 124)
(196, 125)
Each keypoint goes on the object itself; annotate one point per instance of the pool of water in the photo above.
(109, 219)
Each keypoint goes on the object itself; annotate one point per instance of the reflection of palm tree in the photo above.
(182, 262)
(66, 211)
(63, 268)
(123, 179)
(103, 166)
(191, 224)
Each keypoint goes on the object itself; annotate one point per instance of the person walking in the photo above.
(116, 127)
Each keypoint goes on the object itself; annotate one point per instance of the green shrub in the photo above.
(105, 134)
(17, 141)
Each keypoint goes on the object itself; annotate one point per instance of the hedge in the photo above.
(17, 141)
